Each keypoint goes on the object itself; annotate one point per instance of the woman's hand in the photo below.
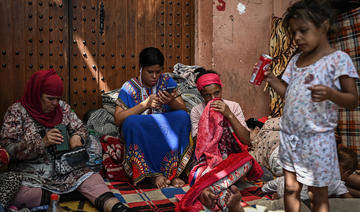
(75, 141)
(221, 107)
(166, 97)
(52, 137)
(152, 102)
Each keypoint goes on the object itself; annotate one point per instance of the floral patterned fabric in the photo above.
(308, 144)
(265, 146)
(220, 188)
(21, 136)
(301, 114)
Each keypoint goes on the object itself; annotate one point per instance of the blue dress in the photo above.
(157, 142)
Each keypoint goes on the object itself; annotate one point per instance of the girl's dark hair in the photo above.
(316, 11)
(253, 122)
(151, 56)
(201, 71)
(347, 159)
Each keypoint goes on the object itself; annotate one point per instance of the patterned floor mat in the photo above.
(147, 197)
(144, 197)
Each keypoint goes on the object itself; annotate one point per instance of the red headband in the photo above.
(208, 79)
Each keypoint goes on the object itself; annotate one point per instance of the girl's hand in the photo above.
(221, 107)
(52, 137)
(320, 93)
(269, 76)
(166, 97)
(152, 102)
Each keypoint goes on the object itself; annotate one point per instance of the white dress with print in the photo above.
(308, 145)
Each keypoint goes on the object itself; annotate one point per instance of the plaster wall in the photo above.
(230, 36)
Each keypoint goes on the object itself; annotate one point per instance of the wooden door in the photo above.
(109, 35)
(92, 44)
(33, 36)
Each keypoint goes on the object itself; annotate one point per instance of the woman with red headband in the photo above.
(29, 135)
(221, 156)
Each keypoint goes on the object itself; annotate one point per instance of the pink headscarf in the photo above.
(208, 79)
(48, 82)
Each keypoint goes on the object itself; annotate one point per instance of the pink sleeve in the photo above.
(195, 118)
(237, 111)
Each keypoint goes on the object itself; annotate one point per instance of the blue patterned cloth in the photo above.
(155, 143)
(133, 92)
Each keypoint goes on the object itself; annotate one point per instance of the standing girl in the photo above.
(318, 80)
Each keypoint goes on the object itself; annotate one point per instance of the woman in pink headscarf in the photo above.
(29, 136)
(221, 156)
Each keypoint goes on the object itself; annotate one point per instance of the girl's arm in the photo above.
(347, 97)
(275, 83)
(121, 114)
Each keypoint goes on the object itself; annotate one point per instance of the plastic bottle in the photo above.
(94, 150)
(54, 204)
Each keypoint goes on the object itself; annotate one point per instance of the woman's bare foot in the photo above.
(234, 201)
(177, 182)
(161, 181)
(207, 198)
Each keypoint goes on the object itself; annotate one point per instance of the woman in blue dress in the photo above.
(154, 124)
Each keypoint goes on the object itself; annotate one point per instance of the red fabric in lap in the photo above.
(113, 157)
(210, 131)
(190, 201)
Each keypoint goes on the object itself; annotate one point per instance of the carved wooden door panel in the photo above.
(92, 44)
(33, 36)
(131, 26)
(108, 36)
(84, 47)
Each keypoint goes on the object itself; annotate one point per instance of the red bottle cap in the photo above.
(54, 197)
